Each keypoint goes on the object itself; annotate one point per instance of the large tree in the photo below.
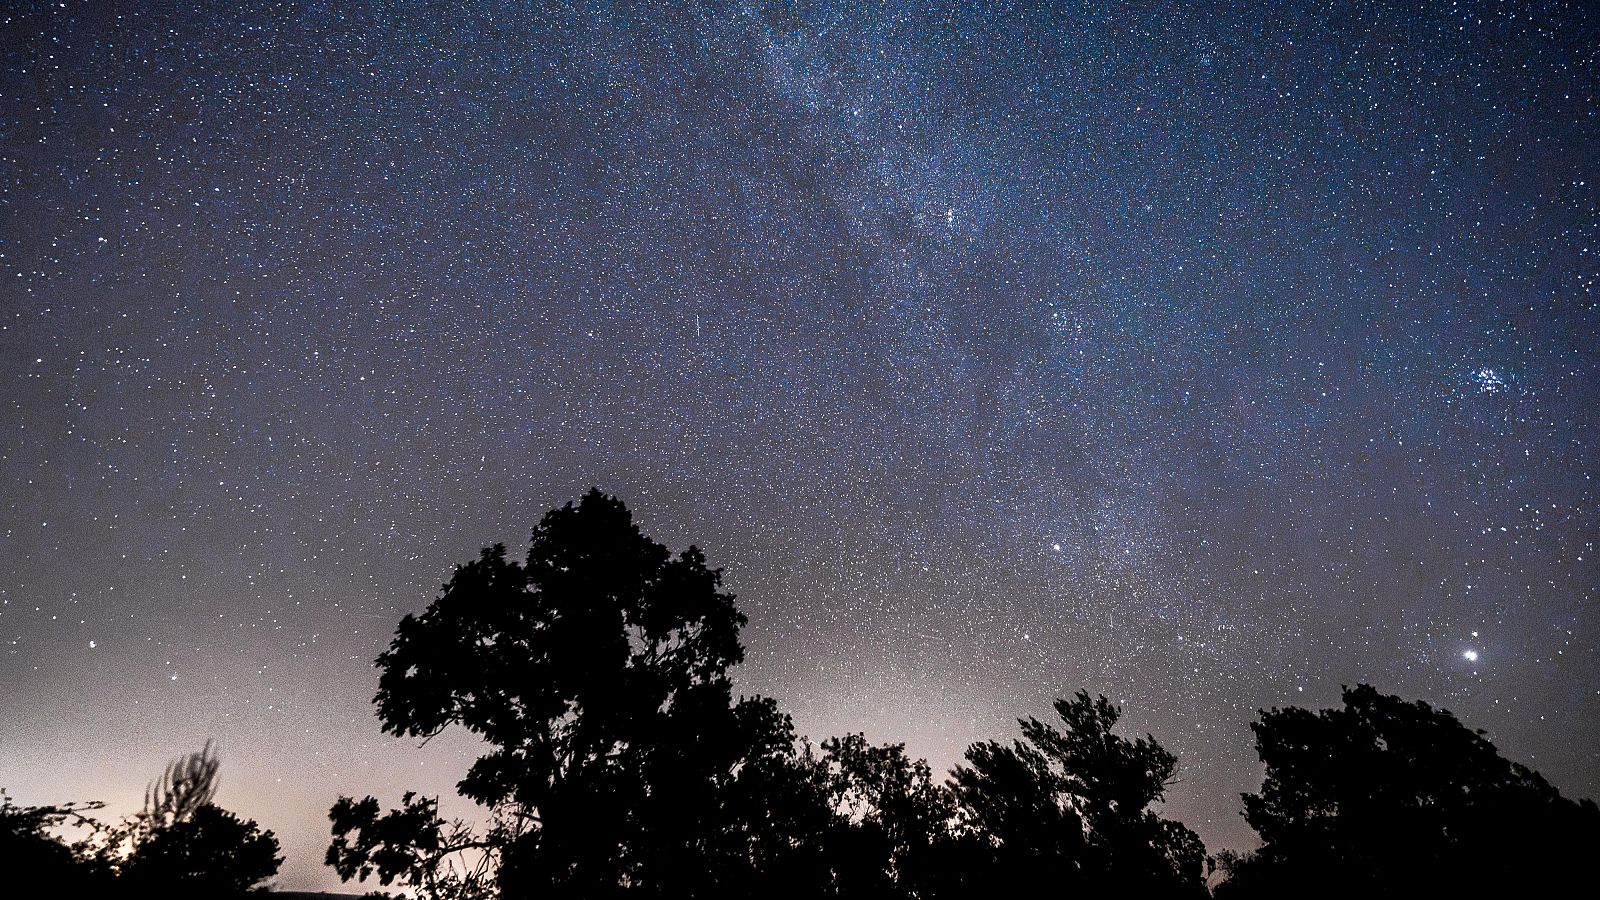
(1399, 798)
(596, 670)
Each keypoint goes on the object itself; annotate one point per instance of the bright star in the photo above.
(1470, 655)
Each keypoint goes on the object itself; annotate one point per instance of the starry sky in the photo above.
(1206, 357)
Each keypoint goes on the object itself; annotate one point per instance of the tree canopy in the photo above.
(1069, 806)
(1394, 796)
(596, 670)
(619, 763)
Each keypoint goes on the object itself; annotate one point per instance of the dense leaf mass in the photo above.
(1390, 796)
(597, 672)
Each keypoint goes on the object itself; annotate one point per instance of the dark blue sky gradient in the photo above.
(1205, 357)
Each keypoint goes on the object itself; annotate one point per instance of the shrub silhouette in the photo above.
(892, 823)
(209, 853)
(181, 845)
(188, 784)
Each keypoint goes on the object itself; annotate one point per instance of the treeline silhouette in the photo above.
(620, 764)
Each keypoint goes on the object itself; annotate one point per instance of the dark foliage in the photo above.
(183, 845)
(37, 862)
(893, 822)
(596, 671)
(209, 853)
(1068, 807)
(188, 784)
(1394, 798)
(414, 848)
(180, 845)
(619, 763)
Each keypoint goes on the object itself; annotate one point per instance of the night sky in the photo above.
(1208, 358)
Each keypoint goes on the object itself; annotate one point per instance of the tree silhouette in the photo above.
(596, 671)
(1393, 797)
(894, 820)
(1068, 809)
(749, 808)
